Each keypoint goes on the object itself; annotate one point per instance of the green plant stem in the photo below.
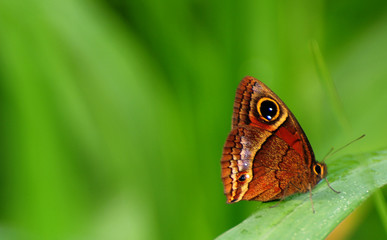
(328, 83)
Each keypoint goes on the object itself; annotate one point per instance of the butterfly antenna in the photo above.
(331, 152)
(346, 145)
(327, 155)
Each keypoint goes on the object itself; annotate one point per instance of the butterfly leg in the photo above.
(299, 189)
(310, 196)
(330, 186)
(282, 198)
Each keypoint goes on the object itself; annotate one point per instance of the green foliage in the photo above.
(114, 113)
(355, 176)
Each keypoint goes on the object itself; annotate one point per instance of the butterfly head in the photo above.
(320, 170)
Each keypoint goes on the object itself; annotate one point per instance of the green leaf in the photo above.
(357, 177)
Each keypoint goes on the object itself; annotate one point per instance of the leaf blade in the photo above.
(355, 176)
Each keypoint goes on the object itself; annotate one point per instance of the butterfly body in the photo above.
(267, 155)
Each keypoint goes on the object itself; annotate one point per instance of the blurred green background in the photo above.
(114, 113)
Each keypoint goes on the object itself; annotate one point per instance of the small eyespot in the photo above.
(242, 178)
(268, 109)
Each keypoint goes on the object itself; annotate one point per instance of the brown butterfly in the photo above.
(267, 155)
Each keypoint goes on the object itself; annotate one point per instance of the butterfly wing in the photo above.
(267, 155)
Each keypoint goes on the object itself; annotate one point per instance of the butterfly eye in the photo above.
(318, 170)
(268, 109)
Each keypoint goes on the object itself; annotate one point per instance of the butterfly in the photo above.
(267, 155)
